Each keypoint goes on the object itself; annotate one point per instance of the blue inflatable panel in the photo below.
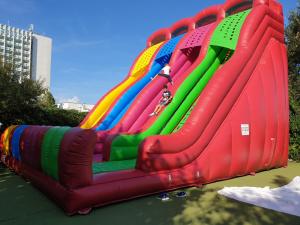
(166, 52)
(120, 116)
(15, 143)
(163, 57)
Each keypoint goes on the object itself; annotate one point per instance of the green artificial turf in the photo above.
(111, 166)
(21, 203)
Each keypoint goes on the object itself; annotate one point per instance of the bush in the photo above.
(61, 117)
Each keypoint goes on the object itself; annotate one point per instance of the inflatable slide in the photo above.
(229, 115)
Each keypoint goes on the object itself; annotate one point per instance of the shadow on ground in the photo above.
(207, 207)
(280, 180)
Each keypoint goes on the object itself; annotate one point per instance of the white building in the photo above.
(75, 106)
(41, 59)
(30, 53)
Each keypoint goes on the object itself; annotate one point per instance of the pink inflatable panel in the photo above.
(196, 37)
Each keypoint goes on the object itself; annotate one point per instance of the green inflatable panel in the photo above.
(50, 150)
(113, 166)
(228, 31)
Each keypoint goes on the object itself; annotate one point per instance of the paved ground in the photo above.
(21, 203)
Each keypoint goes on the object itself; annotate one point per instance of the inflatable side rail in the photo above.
(208, 15)
(75, 158)
(159, 36)
(234, 6)
(180, 27)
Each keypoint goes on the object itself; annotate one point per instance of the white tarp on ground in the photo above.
(284, 199)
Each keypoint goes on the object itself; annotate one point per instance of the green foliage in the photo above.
(47, 100)
(60, 117)
(293, 42)
(24, 101)
(18, 97)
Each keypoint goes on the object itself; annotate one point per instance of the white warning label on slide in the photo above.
(245, 129)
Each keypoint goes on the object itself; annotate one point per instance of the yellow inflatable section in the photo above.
(5, 139)
(138, 70)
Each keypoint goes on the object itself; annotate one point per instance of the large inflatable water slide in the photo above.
(228, 117)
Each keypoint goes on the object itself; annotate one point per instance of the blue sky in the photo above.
(95, 42)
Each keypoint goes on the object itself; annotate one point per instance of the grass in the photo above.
(21, 203)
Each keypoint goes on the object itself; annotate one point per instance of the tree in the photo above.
(24, 101)
(47, 100)
(19, 96)
(293, 42)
